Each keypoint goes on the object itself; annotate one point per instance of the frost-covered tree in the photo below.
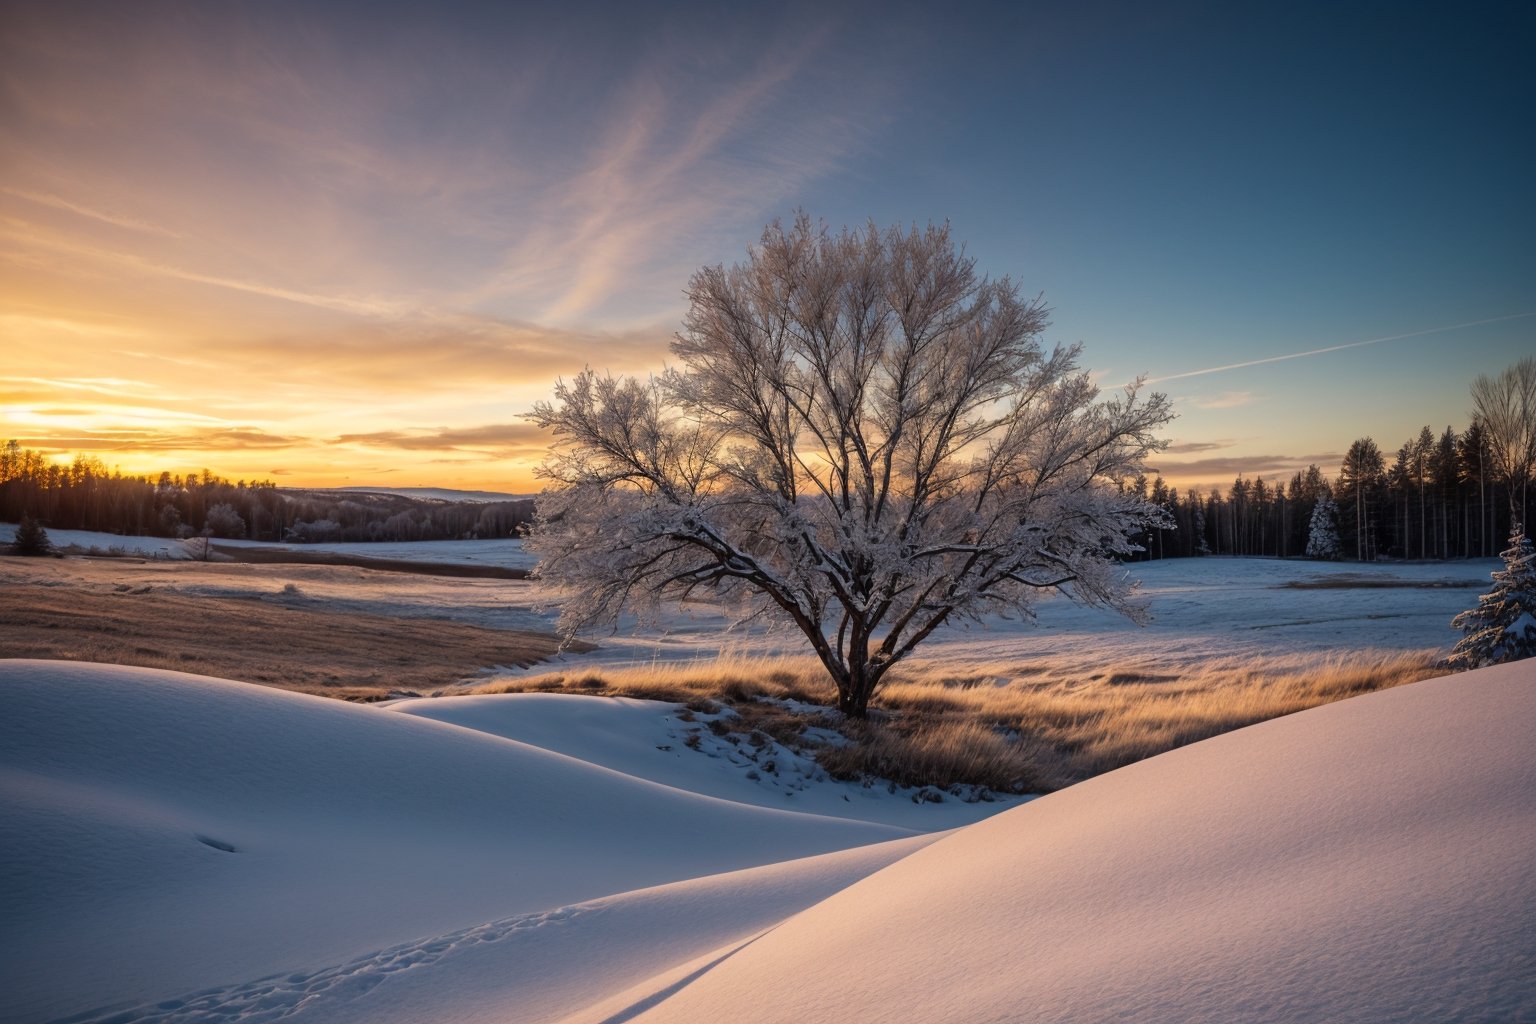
(1503, 625)
(864, 441)
(1323, 535)
(224, 521)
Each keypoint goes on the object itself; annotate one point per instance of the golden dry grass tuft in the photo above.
(1010, 727)
(731, 679)
(939, 752)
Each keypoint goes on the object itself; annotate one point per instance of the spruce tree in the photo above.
(31, 538)
(1503, 625)
(1202, 547)
(1323, 537)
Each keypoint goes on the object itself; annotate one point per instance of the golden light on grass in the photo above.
(1050, 721)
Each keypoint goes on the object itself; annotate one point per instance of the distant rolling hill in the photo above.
(432, 493)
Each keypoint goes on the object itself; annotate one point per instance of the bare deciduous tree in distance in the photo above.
(1506, 408)
(865, 440)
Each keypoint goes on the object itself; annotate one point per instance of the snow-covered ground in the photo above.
(164, 833)
(174, 848)
(1372, 860)
(653, 740)
(505, 553)
(1202, 608)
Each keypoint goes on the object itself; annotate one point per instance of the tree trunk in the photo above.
(854, 691)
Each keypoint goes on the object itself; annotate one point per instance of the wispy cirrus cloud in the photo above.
(132, 263)
(126, 438)
(495, 440)
(1191, 447)
(281, 236)
(1227, 467)
(1225, 400)
(81, 210)
(1339, 348)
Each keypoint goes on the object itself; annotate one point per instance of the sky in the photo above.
(352, 244)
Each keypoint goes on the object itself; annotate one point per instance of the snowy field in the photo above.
(1202, 609)
(182, 849)
(503, 553)
(175, 848)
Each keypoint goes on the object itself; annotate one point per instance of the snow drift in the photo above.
(647, 739)
(161, 833)
(1372, 860)
(176, 849)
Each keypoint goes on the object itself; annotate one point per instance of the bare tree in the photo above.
(1506, 407)
(865, 441)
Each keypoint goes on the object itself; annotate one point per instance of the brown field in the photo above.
(265, 629)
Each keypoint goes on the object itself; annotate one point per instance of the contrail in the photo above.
(1336, 348)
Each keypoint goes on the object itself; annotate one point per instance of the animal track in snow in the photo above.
(280, 996)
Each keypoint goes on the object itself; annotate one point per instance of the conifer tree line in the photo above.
(85, 495)
(1436, 497)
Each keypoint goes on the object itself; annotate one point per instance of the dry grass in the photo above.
(940, 752)
(732, 679)
(1011, 727)
(272, 642)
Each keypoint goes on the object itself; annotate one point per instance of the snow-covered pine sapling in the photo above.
(863, 441)
(1503, 625)
(1323, 536)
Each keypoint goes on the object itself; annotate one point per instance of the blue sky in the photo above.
(350, 243)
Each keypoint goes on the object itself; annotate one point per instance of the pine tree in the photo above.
(1503, 625)
(1323, 538)
(31, 538)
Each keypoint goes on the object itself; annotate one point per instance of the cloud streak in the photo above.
(1337, 348)
(1227, 467)
(1226, 400)
(152, 439)
(497, 440)
(81, 210)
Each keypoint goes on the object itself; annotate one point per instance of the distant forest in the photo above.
(1436, 498)
(85, 495)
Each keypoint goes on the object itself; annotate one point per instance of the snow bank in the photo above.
(162, 833)
(534, 968)
(1372, 860)
(503, 552)
(647, 739)
(91, 540)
